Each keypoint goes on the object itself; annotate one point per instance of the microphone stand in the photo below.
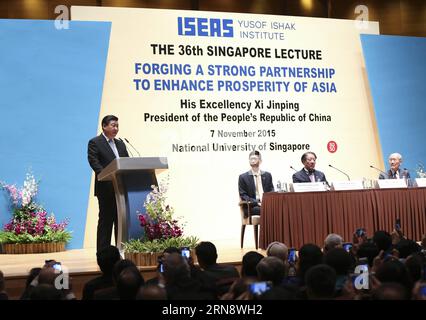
(349, 179)
(385, 174)
(133, 147)
(125, 144)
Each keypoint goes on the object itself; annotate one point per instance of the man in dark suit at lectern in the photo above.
(253, 183)
(101, 151)
(308, 173)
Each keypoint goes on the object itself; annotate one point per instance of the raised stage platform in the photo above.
(82, 265)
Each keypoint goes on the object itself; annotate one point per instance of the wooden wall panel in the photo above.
(159, 4)
(27, 9)
(307, 8)
(413, 18)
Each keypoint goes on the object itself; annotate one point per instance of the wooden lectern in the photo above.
(132, 179)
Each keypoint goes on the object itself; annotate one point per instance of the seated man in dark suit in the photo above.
(395, 172)
(308, 173)
(253, 183)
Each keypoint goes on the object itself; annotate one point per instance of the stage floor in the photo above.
(82, 266)
(84, 260)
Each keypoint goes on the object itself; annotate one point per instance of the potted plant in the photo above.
(160, 230)
(31, 229)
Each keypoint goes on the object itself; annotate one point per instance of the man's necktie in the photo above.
(113, 147)
(257, 186)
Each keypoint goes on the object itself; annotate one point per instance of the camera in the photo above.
(292, 255)
(57, 266)
(347, 246)
(360, 232)
(398, 224)
(257, 288)
(422, 290)
(161, 267)
(186, 252)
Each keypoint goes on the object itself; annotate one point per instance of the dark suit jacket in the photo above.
(247, 188)
(100, 154)
(302, 176)
(391, 174)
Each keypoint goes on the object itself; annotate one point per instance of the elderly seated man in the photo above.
(332, 241)
(395, 172)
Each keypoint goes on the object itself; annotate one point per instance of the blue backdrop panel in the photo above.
(137, 186)
(396, 68)
(51, 87)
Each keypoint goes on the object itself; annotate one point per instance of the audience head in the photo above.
(129, 282)
(368, 250)
(309, 255)
(390, 291)
(407, 247)
(277, 249)
(414, 265)
(320, 282)
(394, 271)
(423, 242)
(206, 254)
(47, 275)
(383, 240)
(151, 292)
(45, 292)
(249, 264)
(271, 269)
(107, 258)
(176, 269)
(339, 260)
(278, 293)
(332, 241)
(34, 272)
(119, 266)
(2, 285)
(238, 288)
(171, 250)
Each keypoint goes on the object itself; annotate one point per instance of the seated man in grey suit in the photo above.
(308, 173)
(253, 183)
(395, 172)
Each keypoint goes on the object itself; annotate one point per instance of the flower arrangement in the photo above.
(161, 230)
(30, 223)
(420, 170)
(158, 222)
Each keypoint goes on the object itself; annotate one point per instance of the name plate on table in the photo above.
(309, 187)
(391, 183)
(421, 182)
(347, 185)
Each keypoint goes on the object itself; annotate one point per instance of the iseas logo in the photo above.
(205, 27)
